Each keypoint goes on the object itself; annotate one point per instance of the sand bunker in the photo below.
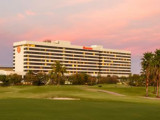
(64, 98)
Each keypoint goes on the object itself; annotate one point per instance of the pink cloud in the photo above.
(1, 21)
(20, 16)
(70, 3)
(11, 19)
(30, 13)
(107, 25)
(74, 2)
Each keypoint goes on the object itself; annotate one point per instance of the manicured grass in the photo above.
(32, 103)
(37, 109)
(126, 90)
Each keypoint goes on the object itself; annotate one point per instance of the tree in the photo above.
(30, 77)
(57, 73)
(12, 79)
(123, 80)
(147, 67)
(98, 78)
(40, 79)
(92, 80)
(80, 79)
(76, 79)
(4, 81)
(2, 78)
(157, 69)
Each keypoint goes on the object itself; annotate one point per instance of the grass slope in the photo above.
(37, 109)
(126, 90)
(30, 103)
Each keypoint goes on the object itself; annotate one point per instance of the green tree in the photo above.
(156, 63)
(14, 79)
(40, 79)
(80, 79)
(147, 67)
(3, 79)
(98, 78)
(123, 80)
(30, 77)
(57, 73)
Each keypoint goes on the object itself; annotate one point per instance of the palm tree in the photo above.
(147, 66)
(58, 71)
(157, 69)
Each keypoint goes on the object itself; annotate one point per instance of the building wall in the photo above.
(3, 72)
(18, 59)
(40, 56)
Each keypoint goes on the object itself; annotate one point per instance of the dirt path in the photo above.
(151, 98)
(105, 91)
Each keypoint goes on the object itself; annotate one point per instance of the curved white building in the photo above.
(94, 60)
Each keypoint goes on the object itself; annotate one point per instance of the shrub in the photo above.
(39, 79)
(108, 80)
(79, 79)
(92, 80)
(8, 80)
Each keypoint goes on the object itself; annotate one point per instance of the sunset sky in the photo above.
(116, 24)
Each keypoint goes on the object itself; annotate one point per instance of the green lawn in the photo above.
(32, 103)
(127, 90)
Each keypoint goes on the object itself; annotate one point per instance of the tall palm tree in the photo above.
(157, 69)
(147, 66)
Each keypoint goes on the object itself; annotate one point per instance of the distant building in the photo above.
(6, 70)
(94, 60)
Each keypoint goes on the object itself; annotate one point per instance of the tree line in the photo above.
(56, 77)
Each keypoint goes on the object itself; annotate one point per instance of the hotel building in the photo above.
(94, 60)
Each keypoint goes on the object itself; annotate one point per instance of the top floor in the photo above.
(67, 44)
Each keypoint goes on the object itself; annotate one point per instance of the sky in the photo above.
(132, 25)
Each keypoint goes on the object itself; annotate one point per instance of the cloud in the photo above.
(75, 2)
(1, 21)
(30, 13)
(71, 3)
(119, 24)
(20, 16)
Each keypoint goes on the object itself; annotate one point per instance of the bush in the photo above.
(8, 80)
(30, 78)
(79, 79)
(56, 79)
(4, 80)
(136, 80)
(15, 79)
(36, 79)
(92, 80)
(108, 80)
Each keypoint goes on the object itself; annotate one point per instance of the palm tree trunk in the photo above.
(147, 87)
(158, 85)
(158, 80)
(147, 80)
(157, 94)
(154, 88)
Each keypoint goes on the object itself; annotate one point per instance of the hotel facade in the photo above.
(94, 60)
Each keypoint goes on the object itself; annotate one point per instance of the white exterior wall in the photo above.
(98, 58)
(19, 60)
